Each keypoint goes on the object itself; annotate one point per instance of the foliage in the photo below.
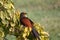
(10, 27)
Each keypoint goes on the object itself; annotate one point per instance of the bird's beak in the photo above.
(25, 15)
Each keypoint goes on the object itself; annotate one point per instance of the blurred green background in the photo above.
(45, 12)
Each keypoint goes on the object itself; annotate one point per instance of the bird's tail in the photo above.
(35, 33)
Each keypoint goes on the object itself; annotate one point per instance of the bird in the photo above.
(25, 21)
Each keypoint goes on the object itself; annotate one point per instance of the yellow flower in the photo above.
(26, 29)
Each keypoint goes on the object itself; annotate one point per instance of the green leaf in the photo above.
(1, 32)
(10, 37)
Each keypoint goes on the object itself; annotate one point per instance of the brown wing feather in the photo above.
(26, 22)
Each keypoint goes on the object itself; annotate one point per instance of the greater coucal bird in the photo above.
(25, 21)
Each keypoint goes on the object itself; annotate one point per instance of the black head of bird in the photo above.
(23, 14)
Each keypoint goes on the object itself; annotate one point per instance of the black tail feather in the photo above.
(35, 33)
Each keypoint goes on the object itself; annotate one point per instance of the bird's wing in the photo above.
(26, 22)
(31, 21)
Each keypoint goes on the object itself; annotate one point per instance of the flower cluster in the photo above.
(10, 24)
